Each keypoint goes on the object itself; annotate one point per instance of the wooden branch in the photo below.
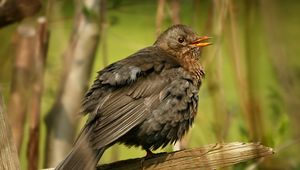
(15, 10)
(8, 153)
(212, 156)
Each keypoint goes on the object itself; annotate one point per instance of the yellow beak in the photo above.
(199, 42)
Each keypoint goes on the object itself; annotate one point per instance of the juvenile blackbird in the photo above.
(148, 99)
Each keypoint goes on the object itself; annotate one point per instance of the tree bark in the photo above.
(8, 152)
(15, 10)
(19, 94)
(41, 47)
(62, 119)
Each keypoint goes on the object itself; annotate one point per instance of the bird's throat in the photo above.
(193, 66)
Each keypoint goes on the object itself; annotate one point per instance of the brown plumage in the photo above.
(148, 99)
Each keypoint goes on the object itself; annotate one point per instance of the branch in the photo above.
(8, 152)
(15, 10)
(212, 156)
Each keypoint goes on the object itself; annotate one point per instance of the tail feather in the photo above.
(82, 156)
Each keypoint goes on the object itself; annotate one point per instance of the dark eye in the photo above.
(180, 39)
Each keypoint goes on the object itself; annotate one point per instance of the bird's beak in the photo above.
(199, 42)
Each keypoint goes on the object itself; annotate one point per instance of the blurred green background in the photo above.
(255, 54)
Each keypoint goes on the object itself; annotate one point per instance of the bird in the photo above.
(147, 100)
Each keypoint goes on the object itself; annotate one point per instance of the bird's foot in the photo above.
(149, 155)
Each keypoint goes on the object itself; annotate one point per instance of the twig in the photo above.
(41, 46)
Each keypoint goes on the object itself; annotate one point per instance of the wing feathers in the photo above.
(126, 108)
(125, 93)
(119, 126)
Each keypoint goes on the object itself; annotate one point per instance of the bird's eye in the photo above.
(180, 39)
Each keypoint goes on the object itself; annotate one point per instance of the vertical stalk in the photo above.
(19, 95)
(159, 15)
(104, 25)
(39, 58)
(61, 120)
(215, 78)
(246, 74)
(175, 11)
(251, 38)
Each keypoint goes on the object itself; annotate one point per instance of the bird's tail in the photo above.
(82, 156)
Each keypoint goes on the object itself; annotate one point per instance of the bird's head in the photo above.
(180, 41)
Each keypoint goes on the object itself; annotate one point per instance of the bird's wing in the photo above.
(124, 73)
(123, 95)
(126, 108)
